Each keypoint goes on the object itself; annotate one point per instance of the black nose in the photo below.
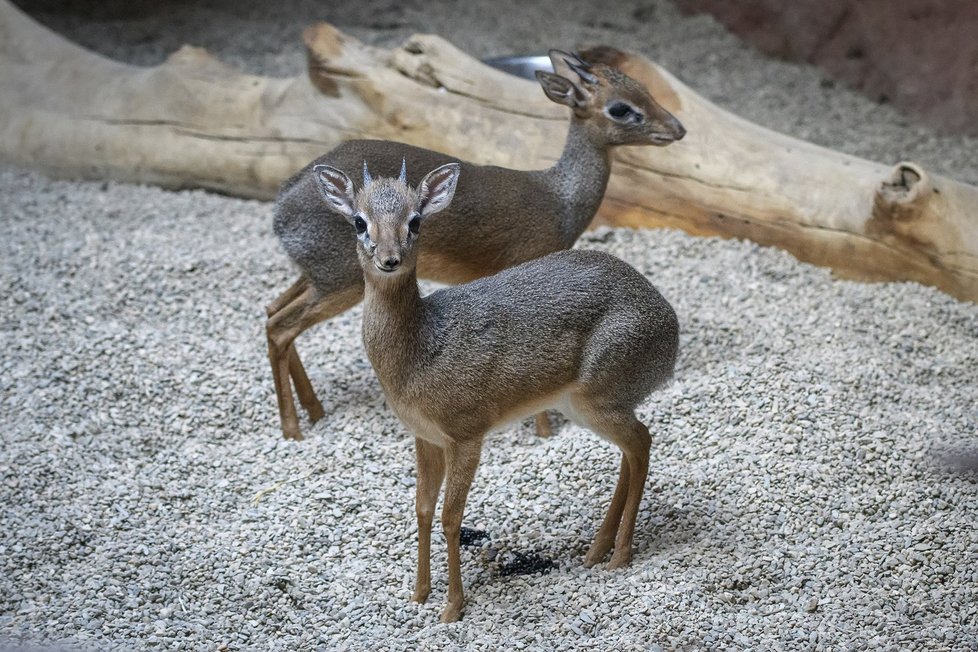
(391, 263)
(679, 129)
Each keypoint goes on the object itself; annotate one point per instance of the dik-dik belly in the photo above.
(424, 426)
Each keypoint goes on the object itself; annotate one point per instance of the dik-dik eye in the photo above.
(414, 225)
(623, 112)
(360, 225)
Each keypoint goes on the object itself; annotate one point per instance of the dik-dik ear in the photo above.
(337, 189)
(436, 190)
(561, 90)
(572, 67)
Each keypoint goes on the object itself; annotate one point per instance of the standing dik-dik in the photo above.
(578, 331)
(499, 218)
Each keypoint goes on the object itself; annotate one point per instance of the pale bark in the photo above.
(194, 122)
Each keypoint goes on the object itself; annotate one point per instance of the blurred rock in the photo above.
(922, 55)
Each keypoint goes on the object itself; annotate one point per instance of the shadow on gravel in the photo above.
(505, 562)
(519, 563)
(667, 527)
(655, 533)
(962, 462)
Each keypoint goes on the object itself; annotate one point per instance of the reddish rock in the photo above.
(922, 55)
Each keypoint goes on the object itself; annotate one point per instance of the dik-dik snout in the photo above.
(387, 213)
(617, 106)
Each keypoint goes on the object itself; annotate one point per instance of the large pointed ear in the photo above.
(572, 67)
(336, 188)
(561, 90)
(436, 190)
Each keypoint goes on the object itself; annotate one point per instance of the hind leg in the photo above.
(306, 308)
(542, 421)
(632, 437)
(637, 454)
(301, 285)
(605, 538)
(303, 388)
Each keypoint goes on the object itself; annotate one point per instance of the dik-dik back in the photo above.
(489, 204)
(504, 346)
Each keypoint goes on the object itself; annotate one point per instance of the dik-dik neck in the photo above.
(393, 325)
(580, 176)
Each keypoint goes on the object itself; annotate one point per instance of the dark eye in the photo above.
(360, 225)
(624, 112)
(414, 225)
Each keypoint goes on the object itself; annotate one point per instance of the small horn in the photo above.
(403, 170)
(581, 68)
(366, 173)
(580, 61)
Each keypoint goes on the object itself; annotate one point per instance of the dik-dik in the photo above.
(499, 217)
(577, 331)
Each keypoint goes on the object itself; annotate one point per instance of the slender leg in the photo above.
(632, 437)
(307, 396)
(431, 472)
(287, 297)
(461, 460)
(605, 537)
(638, 463)
(303, 388)
(543, 425)
(283, 391)
(304, 311)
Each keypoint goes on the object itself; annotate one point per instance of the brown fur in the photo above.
(499, 218)
(579, 331)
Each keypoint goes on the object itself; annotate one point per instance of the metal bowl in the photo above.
(522, 65)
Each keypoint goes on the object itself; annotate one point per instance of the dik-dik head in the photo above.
(617, 105)
(387, 214)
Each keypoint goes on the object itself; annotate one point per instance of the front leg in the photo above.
(430, 472)
(461, 460)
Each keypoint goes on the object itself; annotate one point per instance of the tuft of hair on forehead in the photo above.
(387, 196)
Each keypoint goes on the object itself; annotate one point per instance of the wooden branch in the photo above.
(194, 122)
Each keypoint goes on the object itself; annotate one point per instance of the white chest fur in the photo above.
(419, 425)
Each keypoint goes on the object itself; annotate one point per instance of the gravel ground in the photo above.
(794, 500)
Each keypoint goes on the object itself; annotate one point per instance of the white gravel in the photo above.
(794, 501)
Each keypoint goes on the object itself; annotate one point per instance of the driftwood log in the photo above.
(195, 122)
